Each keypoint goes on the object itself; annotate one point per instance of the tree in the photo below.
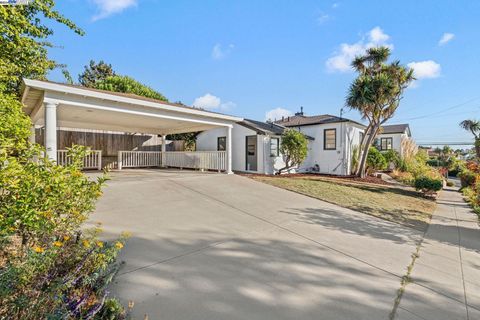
(127, 84)
(24, 42)
(94, 73)
(376, 94)
(474, 127)
(189, 139)
(294, 148)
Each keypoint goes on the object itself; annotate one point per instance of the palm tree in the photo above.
(474, 127)
(376, 94)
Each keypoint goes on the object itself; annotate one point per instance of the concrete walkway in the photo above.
(446, 275)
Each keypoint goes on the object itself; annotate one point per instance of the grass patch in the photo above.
(406, 207)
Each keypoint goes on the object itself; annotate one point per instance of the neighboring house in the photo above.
(393, 137)
(334, 141)
(255, 145)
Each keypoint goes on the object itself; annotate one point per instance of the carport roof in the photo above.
(30, 98)
(78, 107)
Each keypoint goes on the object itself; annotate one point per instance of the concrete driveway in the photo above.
(215, 246)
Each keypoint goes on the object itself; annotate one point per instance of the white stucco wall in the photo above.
(336, 161)
(396, 140)
(207, 141)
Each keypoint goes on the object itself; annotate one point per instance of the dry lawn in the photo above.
(395, 204)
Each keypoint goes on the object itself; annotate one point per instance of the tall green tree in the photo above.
(474, 127)
(128, 85)
(376, 94)
(24, 33)
(95, 72)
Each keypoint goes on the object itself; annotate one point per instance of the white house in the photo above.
(255, 145)
(393, 137)
(334, 139)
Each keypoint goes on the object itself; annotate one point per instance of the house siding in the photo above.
(338, 161)
(397, 139)
(207, 141)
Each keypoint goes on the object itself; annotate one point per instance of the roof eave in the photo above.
(50, 86)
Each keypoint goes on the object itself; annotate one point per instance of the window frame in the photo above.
(386, 143)
(325, 139)
(218, 143)
(277, 139)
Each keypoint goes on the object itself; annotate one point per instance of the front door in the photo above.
(251, 151)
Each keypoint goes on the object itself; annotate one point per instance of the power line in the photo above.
(441, 111)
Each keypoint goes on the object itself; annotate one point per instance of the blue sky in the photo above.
(249, 58)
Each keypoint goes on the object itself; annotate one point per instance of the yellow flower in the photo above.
(86, 243)
(57, 244)
(39, 249)
(100, 244)
(66, 238)
(118, 245)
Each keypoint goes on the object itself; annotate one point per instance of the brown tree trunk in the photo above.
(362, 170)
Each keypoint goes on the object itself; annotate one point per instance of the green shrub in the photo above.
(473, 198)
(375, 160)
(455, 166)
(435, 163)
(49, 267)
(428, 185)
(467, 178)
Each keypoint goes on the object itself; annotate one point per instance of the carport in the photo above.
(54, 105)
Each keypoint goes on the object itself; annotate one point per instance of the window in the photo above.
(221, 143)
(274, 147)
(386, 143)
(329, 139)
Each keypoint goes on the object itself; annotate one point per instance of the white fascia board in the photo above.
(48, 86)
(139, 113)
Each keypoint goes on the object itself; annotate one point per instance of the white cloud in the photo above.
(277, 114)
(446, 37)
(219, 52)
(378, 36)
(211, 102)
(108, 7)
(341, 60)
(427, 69)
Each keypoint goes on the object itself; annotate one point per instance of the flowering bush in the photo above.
(49, 268)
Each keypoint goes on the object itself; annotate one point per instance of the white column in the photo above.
(32, 134)
(51, 130)
(229, 150)
(164, 149)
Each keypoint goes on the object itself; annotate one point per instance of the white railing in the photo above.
(93, 159)
(139, 159)
(203, 160)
